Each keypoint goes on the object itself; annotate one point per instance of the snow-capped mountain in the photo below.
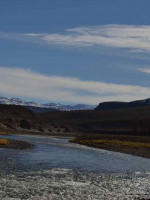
(70, 107)
(17, 101)
(53, 106)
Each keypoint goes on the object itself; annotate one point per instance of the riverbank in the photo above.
(14, 144)
(80, 172)
(134, 145)
(32, 133)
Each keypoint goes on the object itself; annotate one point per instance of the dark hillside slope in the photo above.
(19, 119)
(15, 111)
(14, 117)
(40, 109)
(120, 121)
(118, 105)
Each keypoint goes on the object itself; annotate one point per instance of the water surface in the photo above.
(57, 169)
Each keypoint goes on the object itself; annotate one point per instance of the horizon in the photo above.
(75, 52)
(65, 104)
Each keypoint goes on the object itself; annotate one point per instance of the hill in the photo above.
(19, 119)
(118, 105)
(121, 121)
(131, 121)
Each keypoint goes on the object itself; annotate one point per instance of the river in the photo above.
(59, 170)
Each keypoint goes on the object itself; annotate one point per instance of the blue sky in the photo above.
(83, 51)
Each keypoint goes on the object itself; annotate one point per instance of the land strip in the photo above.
(134, 145)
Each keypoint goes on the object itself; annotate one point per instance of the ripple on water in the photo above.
(66, 184)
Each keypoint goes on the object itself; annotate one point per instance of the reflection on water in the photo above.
(56, 169)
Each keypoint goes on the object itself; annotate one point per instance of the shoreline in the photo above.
(122, 144)
(133, 145)
(15, 144)
(66, 136)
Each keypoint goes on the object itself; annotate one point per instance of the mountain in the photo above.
(112, 105)
(45, 107)
(127, 121)
(17, 101)
(70, 107)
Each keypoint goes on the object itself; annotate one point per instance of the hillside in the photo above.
(120, 121)
(134, 121)
(19, 119)
(113, 105)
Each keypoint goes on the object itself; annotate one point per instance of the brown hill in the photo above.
(134, 121)
(121, 121)
(19, 119)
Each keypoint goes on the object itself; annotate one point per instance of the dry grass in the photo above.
(15, 144)
(114, 142)
(4, 141)
(139, 146)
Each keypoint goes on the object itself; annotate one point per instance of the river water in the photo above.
(59, 170)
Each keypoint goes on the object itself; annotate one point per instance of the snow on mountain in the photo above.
(4, 100)
(70, 107)
(55, 106)
(17, 101)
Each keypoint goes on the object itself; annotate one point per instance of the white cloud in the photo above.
(145, 70)
(25, 83)
(136, 38)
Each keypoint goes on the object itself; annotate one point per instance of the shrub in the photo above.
(25, 124)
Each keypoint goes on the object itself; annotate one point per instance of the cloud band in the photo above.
(132, 37)
(25, 83)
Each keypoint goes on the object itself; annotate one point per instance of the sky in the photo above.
(75, 51)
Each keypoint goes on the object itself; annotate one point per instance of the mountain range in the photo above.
(45, 107)
(36, 107)
(109, 118)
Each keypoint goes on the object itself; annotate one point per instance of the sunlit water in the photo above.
(58, 170)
